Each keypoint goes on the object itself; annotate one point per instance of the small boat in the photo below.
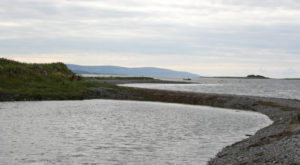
(188, 79)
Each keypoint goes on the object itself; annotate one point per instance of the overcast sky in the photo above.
(208, 37)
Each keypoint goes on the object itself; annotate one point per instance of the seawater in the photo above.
(118, 132)
(289, 89)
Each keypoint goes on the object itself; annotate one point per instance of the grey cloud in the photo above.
(213, 30)
(136, 46)
(27, 9)
(54, 10)
(265, 3)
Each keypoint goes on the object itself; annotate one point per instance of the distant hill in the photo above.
(144, 71)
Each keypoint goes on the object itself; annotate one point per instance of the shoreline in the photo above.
(278, 143)
(131, 81)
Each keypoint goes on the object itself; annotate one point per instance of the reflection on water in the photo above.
(118, 132)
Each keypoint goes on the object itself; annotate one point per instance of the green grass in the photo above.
(42, 81)
(259, 154)
(255, 160)
(243, 163)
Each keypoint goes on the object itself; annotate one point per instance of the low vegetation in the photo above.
(257, 76)
(41, 81)
(252, 76)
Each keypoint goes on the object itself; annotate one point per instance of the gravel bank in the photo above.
(278, 143)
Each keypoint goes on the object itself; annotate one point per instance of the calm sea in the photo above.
(289, 89)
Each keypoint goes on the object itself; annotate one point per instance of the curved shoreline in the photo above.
(278, 143)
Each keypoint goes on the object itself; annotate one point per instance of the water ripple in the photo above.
(118, 132)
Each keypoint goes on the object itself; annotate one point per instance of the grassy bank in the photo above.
(22, 81)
